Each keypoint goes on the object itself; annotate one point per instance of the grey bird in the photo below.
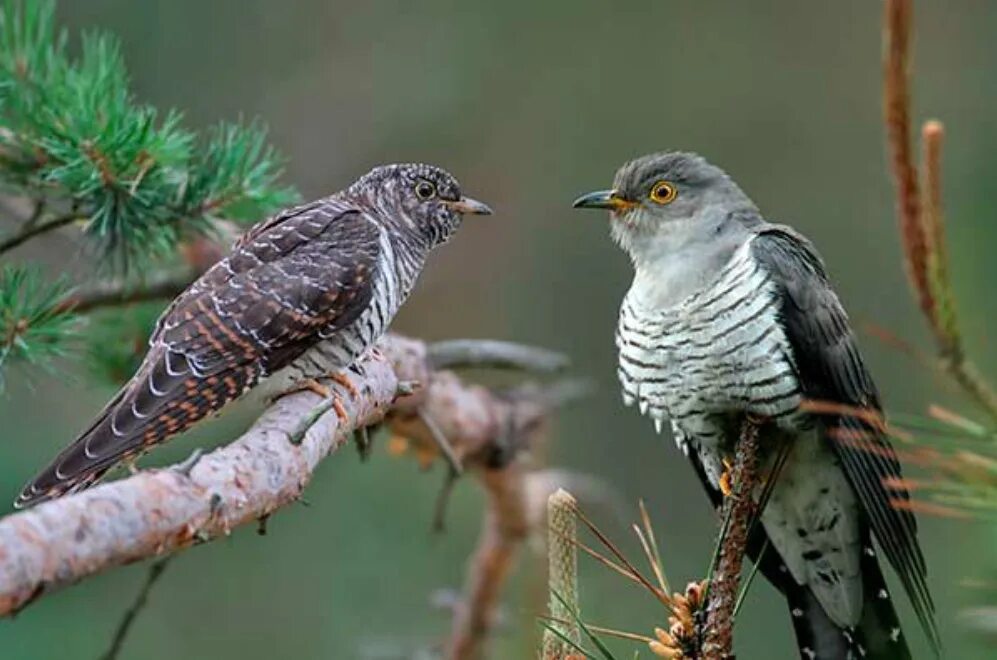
(730, 316)
(302, 295)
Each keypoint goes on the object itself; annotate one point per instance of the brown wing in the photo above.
(304, 272)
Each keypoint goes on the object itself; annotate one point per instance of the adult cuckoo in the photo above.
(729, 317)
(302, 295)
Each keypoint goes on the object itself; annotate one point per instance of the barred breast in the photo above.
(719, 351)
(397, 268)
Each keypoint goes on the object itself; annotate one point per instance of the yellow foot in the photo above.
(725, 479)
(346, 383)
(312, 385)
(337, 405)
(330, 400)
(306, 385)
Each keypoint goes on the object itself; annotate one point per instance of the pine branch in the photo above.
(71, 131)
(163, 286)
(32, 228)
(718, 639)
(160, 512)
(35, 327)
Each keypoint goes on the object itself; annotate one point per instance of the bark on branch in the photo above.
(158, 512)
(739, 510)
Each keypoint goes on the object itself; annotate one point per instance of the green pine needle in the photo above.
(72, 132)
(603, 649)
(34, 325)
(567, 640)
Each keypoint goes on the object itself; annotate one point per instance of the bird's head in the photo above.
(663, 202)
(420, 198)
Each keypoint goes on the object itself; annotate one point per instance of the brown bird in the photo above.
(302, 295)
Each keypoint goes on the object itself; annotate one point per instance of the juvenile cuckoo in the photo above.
(729, 317)
(302, 295)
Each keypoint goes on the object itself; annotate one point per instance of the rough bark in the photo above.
(158, 512)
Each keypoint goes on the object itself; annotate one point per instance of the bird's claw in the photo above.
(725, 482)
(305, 385)
(347, 384)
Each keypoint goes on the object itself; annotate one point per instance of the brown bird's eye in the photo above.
(425, 190)
(663, 192)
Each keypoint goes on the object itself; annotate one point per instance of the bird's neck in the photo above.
(676, 264)
(409, 252)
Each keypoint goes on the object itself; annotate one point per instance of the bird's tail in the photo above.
(161, 401)
(878, 636)
(71, 470)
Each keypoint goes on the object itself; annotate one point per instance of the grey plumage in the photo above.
(302, 295)
(730, 315)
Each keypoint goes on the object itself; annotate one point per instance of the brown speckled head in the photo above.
(423, 197)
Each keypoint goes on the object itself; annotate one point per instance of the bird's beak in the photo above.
(470, 206)
(603, 199)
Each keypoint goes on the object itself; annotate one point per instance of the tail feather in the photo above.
(163, 399)
(878, 636)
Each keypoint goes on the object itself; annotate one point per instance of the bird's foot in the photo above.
(725, 483)
(305, 385)
(332, 402)
(347, 384)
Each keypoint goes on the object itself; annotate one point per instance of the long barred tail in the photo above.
(163, 399)
(878, 635)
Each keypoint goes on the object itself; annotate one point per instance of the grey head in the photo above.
(673, 207)
(422, 201)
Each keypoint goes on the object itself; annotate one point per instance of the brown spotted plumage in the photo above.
(302, 295)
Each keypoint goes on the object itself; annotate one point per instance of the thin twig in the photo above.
(118, 292)
(153, 575)
(30, 229)
(477, 353)
(612, 632)
(723, 595)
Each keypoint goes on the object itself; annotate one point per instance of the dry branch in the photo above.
(158, 512)
(739, 509)
(490, 437)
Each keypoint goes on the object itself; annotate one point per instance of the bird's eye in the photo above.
(663, 192)
(425, 190)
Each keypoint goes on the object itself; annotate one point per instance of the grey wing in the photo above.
(830, 368)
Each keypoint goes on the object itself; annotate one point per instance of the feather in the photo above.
(830, 368)
(304, 272)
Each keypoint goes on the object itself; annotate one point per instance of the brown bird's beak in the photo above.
(603, 199)
(470, 206)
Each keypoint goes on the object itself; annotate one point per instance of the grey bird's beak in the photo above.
(470, 206)
(603, 199)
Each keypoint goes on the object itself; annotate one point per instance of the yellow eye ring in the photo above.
(663, 192)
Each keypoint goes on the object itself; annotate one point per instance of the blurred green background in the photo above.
(529, 104)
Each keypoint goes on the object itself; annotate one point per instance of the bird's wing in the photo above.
(251, 314)
(830, 369)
